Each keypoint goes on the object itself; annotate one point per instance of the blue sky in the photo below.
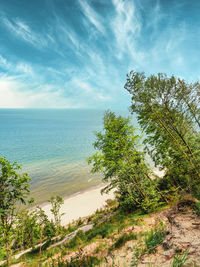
(76, 53)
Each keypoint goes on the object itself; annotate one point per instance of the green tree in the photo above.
(123, 165)
(26, 226)
(56, 202)
(14, 188)
(168, 111)
(32, 227)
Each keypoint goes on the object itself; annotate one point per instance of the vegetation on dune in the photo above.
(123, 165)
(14, 188)
(168, 112)
(21, 228)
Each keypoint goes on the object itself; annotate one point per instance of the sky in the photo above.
(77, 53)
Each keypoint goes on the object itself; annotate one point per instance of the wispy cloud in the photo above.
(24, 68)
(23, 31)
(17, 68)
(4, 63)
(126, 26)
(92, 16)
(78, 55)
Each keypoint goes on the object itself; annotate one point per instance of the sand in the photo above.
(80, 205)
(85, 203)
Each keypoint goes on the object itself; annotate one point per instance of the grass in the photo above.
(180, 259)
(154, 238)
(196, 208)
(102, 230)
(123, 239)
(106, 225)
(78, 261)
(78, 240)
(150, 241)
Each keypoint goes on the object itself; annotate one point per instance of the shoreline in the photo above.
(101, 185)
(84, 203)
(80, 204)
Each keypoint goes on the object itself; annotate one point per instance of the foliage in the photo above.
(56, 202)
(168, 111)
(14, 188)
(22, 228)
(31, 228)
(123, 165)
(48, 228)
(27, 233)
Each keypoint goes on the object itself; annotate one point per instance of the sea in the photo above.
(52, 146)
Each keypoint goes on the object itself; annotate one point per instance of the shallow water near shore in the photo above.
(52, 145)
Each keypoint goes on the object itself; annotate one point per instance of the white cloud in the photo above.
(14, 94)
(24, 68)
(126, 27)
(103, 97)
(82, 90)
(83, 87)
(19, 68)
(92, 16)
(92, 71)
(4, 63)
(125, 24)
(22, 30)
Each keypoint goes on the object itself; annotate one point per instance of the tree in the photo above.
(168, 111)
(56, 202)
(123, 165)
(14, 188)
(26, 229)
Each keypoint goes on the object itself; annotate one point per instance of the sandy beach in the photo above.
(84, 203)
(80, 205)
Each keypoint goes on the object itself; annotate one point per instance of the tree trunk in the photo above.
(8, 253)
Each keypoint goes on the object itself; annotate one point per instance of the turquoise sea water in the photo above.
(52, 145)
